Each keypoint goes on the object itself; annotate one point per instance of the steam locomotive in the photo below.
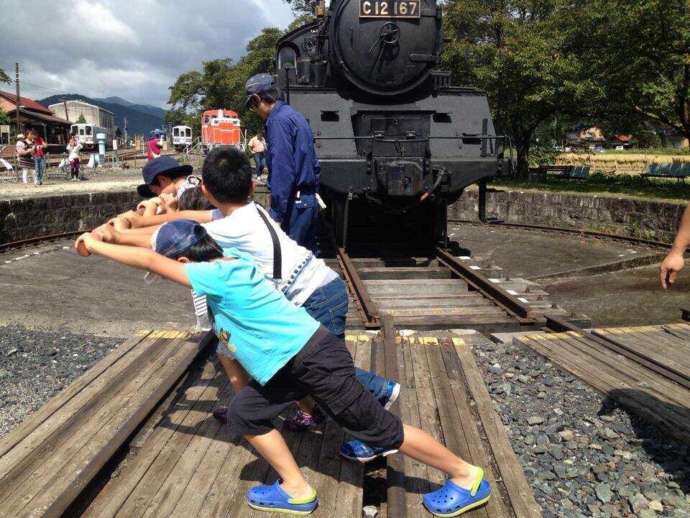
(396, 141)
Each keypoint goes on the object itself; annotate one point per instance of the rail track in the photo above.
(22, 243)
(442, 291)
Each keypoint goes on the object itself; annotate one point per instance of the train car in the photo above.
(86, 133)
(181, 137)
(393, 135)
(221, 128)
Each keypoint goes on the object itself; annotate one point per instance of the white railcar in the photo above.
(181, 137)
(86, 133)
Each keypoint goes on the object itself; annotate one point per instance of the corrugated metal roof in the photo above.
(27, 103)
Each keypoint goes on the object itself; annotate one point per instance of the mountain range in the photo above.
(141, 118)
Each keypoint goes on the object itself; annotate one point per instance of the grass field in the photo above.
(622, 184)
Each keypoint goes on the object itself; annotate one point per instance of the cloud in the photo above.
(130, 48)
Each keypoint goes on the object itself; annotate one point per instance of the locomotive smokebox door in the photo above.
(400, 177)
(386, 47)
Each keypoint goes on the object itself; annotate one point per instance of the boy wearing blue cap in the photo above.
(290, 356)
(294, 170)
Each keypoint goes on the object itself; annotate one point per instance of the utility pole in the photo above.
(17, 103)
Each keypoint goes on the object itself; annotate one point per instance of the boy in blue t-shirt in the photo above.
(290, 356)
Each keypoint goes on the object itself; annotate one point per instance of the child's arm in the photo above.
(200, 216)
(109, 234)
(135, 257)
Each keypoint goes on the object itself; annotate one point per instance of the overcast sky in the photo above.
(130, 48)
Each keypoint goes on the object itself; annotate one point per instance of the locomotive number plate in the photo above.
(389, 8)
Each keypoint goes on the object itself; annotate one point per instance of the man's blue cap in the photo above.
(174, 238)
(166, 165)
(258, 84)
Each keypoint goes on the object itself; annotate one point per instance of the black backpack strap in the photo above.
(277, 254)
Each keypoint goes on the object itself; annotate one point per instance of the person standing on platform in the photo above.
(257, 145)
(73, 148)
(674, 261)
(39, 158)
(24, 160)
(293, 167)
(153, 147)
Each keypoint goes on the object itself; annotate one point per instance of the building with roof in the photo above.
(92, 114)
(34, 115)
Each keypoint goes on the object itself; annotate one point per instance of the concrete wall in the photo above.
(656, 220)
(34, 217)
(28, 218)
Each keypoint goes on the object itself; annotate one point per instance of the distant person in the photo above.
(24, 158)
(39, 157)
(292, 163)
(153, 146)
(257, 145)
(73, 148)
(674, 261)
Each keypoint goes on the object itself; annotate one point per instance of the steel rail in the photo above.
(395, 465)
(521, 311)
(369, 310)
(557, 324)
(5, 247)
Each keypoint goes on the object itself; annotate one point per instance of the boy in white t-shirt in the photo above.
(304, 279)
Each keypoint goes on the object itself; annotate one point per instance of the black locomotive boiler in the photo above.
(396, 141)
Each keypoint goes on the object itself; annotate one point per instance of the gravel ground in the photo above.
(37, 364)
(580, 458)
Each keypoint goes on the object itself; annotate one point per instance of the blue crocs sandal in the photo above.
(452, 500)
(273, 499)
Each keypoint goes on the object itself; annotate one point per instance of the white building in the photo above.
(72, 110)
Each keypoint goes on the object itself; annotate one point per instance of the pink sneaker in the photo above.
(300, 421)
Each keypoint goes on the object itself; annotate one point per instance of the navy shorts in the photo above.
(324, 370)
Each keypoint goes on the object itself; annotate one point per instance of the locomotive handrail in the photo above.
(378, 139)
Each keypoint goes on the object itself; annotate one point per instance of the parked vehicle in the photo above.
(221, 128)
(181, 137)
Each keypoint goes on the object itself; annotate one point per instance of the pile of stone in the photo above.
(582, 456)
(37, 364)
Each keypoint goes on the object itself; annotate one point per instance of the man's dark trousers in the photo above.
(302, 222)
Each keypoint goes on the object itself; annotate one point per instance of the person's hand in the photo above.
(668, 272)
(84, 244)
(168, 202)
(105, 233)
(121, 223)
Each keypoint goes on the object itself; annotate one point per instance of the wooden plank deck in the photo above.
(189, 466)
(633, 384)
(444, 394)
(183, 463)
(50, 458)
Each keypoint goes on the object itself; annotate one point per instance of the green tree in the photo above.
(300, 6)
(221, 82)
(516, 50)
(4, 118)
(81, 119)
(4, 78)
(638, 51)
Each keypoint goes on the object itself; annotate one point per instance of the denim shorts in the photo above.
(328, 305)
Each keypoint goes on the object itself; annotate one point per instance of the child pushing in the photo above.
(290, 356)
